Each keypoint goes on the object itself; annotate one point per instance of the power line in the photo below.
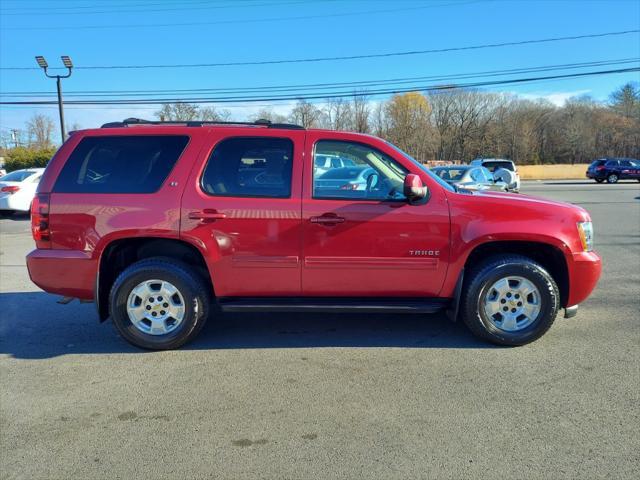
(250, 99)
(110, 4)
(239, 21)
(330, 86)
(351, 57)
(125, 9)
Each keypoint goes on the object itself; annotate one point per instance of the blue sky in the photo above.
(103, 32)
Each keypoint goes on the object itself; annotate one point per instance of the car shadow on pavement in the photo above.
(587, 182)
(34, 326)
(16, 216)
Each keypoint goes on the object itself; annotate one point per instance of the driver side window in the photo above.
(364, 173)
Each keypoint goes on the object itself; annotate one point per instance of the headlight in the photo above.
(585, 230)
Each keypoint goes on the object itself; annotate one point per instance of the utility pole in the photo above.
(42, 63)
(14, 137)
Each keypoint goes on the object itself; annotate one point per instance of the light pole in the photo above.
(67, 63)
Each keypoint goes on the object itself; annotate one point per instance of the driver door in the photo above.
(360, 236)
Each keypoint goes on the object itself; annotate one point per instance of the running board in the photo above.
(332, 304)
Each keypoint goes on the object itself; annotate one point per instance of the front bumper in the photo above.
(584, 272)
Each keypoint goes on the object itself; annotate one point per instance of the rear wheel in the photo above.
(510, 300)
(159, 303)
(612, 178)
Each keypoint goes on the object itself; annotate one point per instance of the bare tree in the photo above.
(336, 115)
(269, 114)
(305, 114)
(178, 112)
(360, 112)
(379, 123)
(626, 100)
(40, 129)
(211, 114)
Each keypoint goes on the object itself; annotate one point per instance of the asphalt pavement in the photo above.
(319, 396)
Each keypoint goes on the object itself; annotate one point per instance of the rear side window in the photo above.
(120, 164)
(493, 166)
(612, 163)
(17, 176)
(250, 167)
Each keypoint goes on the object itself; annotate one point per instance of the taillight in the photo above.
(601, 167)
(349, 186)
(40, 227)
(10, 189)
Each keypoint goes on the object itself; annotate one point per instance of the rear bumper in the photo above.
(65, 272)
(584, 273)
(13, 202)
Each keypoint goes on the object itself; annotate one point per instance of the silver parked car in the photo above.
(470, 177)
(506, 170)
(350, 182)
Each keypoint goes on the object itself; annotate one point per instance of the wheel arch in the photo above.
(120, 253)
(550, 256)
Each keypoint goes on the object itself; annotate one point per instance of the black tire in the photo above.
(195, 291)
(612, 178)
(6, 213)
(480, 280)
(599, 180)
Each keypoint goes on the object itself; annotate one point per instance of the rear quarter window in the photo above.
(120, 164)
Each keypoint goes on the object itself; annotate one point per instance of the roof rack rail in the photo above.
(201, 123)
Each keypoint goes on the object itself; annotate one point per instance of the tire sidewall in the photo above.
(195, 308)
(549, 303)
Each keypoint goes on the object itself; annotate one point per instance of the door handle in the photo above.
(328, 219)
(207, 215)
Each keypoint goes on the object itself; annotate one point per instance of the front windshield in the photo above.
(424, 168)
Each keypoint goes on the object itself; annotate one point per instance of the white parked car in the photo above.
(18, 188)
(323, 163)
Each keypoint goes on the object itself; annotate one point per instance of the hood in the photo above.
(530, 200)
(502, 204)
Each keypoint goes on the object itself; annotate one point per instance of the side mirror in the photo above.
(414, 189)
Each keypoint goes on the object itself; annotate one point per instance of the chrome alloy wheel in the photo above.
(155, 307)
(512, 303)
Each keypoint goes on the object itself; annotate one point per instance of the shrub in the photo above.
(22, 157)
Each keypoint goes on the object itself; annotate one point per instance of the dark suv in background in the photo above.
(614, 169)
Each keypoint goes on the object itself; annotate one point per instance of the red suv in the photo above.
(159, 222)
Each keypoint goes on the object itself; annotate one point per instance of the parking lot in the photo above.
(328, 396)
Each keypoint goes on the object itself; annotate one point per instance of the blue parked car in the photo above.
(614, 169)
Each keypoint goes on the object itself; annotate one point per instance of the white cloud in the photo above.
(557, 98)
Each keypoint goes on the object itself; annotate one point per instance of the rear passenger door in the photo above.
(242, 206)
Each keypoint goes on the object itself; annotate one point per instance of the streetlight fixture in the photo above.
(42, 63)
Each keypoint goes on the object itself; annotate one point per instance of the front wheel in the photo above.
(510, 300)
(159, 303)
(612, 178)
